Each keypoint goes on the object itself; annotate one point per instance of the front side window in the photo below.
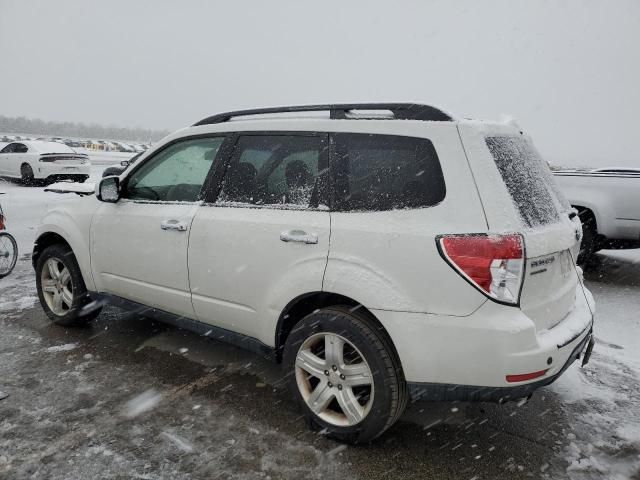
(271, 170)
(8, 148)
(385, 172)
(176, 173)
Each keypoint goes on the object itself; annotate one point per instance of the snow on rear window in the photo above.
(527, 179)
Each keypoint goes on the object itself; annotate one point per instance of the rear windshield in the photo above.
(528, 180)
(384, 172)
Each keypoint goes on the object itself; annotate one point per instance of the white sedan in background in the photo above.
(33, 161)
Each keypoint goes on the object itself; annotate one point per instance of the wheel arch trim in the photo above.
(51, 234)
(307, 303)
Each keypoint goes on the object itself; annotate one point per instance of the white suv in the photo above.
(381, 252)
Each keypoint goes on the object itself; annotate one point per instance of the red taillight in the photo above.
(493, 263)
(1, 222)
(525, 376)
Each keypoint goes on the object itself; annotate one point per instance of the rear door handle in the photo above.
(173, 225)
(299, 236)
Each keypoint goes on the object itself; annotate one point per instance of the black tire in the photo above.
(26, 174)
(390, 389)
(8, 258)
(590, 243)
(77, 313)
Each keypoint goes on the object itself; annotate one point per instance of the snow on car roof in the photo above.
(49, 147)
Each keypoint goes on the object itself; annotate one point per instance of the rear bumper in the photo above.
(50, 170)
(68, 176)
(438, 392)
(469, 358)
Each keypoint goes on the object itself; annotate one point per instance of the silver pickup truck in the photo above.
(608, 202)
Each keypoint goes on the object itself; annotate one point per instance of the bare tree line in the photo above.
(71, 129)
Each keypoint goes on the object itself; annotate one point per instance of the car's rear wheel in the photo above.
(26, 174)
(345, 375)
(589, 244)
(61, 289)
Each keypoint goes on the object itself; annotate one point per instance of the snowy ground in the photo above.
(131, 398)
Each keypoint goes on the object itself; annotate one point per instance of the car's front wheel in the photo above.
(345, 375)
(61, 289)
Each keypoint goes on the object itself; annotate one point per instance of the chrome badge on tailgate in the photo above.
(540, 265)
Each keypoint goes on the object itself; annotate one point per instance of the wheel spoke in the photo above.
(49, 285)
(311, 363)
(64, 277)
(52, 265)
(334, 350)
(320, 397)
(357, 374)
(349, 405)
(67, 297)
(7, 247)
(57, 303)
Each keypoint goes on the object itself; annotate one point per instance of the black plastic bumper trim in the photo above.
(216, 333)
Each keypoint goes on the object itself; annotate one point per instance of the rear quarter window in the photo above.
(384, 172)
(528, 180)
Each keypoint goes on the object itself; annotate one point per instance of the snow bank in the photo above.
(603, 399)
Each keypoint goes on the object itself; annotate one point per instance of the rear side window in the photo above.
(276, 170)
(385, 172)
(528, 180)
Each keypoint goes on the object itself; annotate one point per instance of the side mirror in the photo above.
(108, 190)
(124, 163)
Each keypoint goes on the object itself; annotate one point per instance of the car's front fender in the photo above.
(72, 224)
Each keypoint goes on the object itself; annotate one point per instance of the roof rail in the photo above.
(401, 111)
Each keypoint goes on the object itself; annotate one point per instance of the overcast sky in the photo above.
(569, 71)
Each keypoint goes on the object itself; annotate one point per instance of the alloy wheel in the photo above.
(334, 379)
(57, 287)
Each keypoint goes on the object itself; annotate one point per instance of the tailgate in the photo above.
(519, 195)
(550, 278)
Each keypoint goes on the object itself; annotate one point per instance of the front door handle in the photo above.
(299, 236)
(173, 225)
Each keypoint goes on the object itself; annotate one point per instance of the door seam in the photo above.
(326, 264)
(475, 183)
(188, 255)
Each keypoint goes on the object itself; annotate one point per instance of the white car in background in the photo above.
(33, 161)
(608, 203)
